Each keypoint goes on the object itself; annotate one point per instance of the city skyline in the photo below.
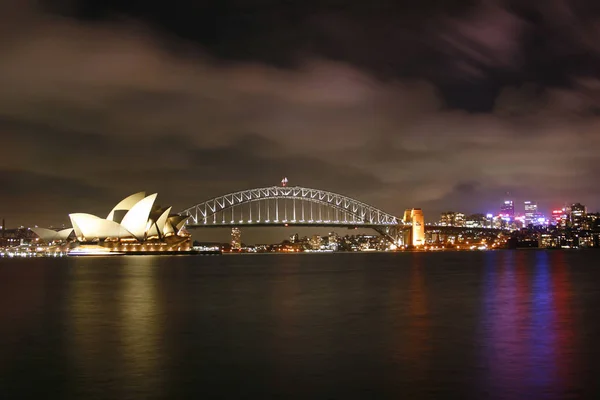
(516, 209)
(137, 224)
(475, 100)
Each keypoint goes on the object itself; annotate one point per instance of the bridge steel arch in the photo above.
(360, 212)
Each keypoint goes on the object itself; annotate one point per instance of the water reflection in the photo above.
(419, 333)
(503, 320)
(284, 305)
(23, 288)
(115, 328)
(141, 326)
(410, 329)
(563, 323)
(542, 330)
(523, 344)
(413, 325)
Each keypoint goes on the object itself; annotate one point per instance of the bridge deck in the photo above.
(333, 224)
(348, 225)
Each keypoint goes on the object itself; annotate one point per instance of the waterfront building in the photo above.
(333, 241)
(135, 217)
(236, 239)
(135, 224)
(51, 235)
(315, 242)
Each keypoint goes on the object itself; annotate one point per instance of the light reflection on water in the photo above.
(495, 325)
(116, 329)
(525, 346)
(419, 325)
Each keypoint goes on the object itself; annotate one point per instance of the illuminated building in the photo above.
(476, 221)
(236, 239)
(447, 218)
(315, 242)
(136, 224)
(592, 222)
(333, 241)
(451, 218)
(577, 215)
(531, 212)
(498, 222)
(560, 217)
(508, 209)
(547, 240)
(50, 235)
(136, 217)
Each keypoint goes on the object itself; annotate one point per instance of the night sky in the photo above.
(439, 104)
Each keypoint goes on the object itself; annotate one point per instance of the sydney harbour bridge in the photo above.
(299, 206)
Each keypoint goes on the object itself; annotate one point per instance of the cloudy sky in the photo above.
(439, 104)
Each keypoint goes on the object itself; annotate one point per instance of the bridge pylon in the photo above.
(416, 235)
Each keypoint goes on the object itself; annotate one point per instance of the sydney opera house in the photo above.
(136, 224)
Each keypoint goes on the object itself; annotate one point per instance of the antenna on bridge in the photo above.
(284, 181)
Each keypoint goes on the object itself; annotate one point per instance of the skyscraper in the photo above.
(508, 209)
(531, 212)
(236, 239)
(578, 213)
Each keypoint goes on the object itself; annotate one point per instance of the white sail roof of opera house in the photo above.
(125, 205)
(50, 235)
(136, 216)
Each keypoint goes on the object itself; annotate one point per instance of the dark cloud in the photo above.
(505, 41)
(32, 198)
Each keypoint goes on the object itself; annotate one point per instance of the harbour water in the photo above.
(472, 325)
